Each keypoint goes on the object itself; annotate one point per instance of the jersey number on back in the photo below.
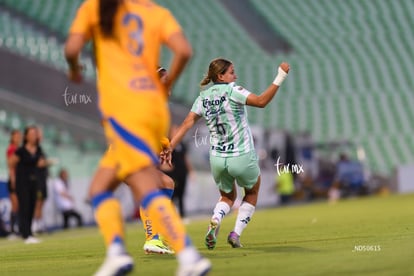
(136, 42)
(219, 126)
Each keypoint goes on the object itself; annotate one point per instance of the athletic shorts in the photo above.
(135, 138)
(244, 169)
(108, 160)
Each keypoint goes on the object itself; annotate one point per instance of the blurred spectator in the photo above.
(41, 193)
(285, 185)
(181, 168)
(15, 141)
(26, 162)
(349, 179)
(64, 200)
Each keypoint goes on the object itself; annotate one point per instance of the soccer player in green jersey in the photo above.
(232, 153)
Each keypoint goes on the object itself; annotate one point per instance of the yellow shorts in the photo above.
(108, 160)
(134, 138)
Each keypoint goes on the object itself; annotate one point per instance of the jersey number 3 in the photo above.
(135, 42)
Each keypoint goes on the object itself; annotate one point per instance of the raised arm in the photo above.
(263, 99)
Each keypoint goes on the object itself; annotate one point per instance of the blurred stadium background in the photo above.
(350, 88)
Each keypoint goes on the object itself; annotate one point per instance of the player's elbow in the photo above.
(73, 46)
(180, 46)
(260, 103)
(186, 52)
(70, 52)
(256, 101)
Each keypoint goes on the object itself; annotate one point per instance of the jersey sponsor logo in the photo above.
(214, 102)
(246, 220)
(214, 112)
(142, 83)
(148, 226)
(223, 148)
(222, 213)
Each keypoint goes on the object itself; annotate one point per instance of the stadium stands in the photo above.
(22, 38)
(55, 14)
(81, 160)
(351, 65)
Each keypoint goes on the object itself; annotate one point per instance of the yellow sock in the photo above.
(108, 216)
(166, 220)
(150, 231)
(147, 224)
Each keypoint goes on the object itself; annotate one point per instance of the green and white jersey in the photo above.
(223, 106)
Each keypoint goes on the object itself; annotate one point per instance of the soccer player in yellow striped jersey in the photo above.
(106, 173)
(127, 36)
(153, 242)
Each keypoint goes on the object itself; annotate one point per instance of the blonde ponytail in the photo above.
(217, 66)
(205, 81)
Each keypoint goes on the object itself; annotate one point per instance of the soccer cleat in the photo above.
(13, 237)
(211, 236)
(156, 246)
(32, 240)
(200, 268)
(116, 266)
(234, 240)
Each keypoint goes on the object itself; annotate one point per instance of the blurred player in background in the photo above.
(127, 37)
(153, 242)
(15, 141)
(179, 172)
(232, 153)
(25, 163)
(41, 194)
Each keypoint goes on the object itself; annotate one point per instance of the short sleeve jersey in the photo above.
(127, 63)
(223, 106)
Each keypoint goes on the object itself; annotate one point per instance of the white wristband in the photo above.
(281, 76)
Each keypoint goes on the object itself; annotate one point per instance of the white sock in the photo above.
(189, 255)
(35, 225)
(115, 249)
(40, 225)
(221, 209)
(246, 211)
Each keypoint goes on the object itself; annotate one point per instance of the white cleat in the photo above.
(200, 268)
(116, 266)
(32, 240)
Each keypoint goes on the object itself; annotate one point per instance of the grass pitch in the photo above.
(369, 236)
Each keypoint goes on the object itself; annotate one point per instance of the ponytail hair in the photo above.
(107, 11)
(217, 66)
(205, 81)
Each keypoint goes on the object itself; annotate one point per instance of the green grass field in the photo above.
(370, 236)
